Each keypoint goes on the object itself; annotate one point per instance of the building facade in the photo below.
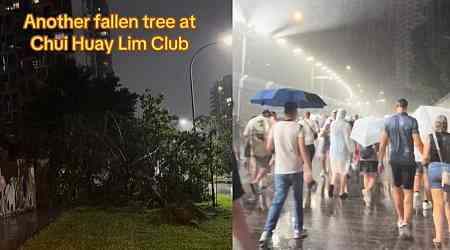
(23, 72)
(99, 63)
(23, 76)
(221, 100)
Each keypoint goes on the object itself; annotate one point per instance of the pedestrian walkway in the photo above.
(336, 224)
(14, 231)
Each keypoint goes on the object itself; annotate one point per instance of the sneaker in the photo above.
(343, 196)
(427, 205)
(416, 199)
(265, 236)
(323, 175)
(300, 234)
(367, 198)
(364, 196)
(330, 191)
(401, 224)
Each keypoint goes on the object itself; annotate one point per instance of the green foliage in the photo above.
(218, 138)
(100, 228)
(100, 152)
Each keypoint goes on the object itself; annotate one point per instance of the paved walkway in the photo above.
(336, 224)
(14, 231)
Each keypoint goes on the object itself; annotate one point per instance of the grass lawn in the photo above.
(100, 228)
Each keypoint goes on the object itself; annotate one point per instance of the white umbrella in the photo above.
(366, 131)
(425, 116)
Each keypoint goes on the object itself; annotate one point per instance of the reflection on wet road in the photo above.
(337, 224)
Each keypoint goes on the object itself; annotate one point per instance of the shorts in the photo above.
(339, 166)
(262, 161)
(311, 149)
(368, 167)
(435, 170)
(419, 168)
(403, 174)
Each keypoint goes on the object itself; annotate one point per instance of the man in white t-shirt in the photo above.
(287, 139)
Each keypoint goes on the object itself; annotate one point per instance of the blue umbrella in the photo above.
(279, 97)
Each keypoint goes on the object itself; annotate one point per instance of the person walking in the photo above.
(311, 133)
(255, 132)
(401, 132)
(368, 163)
(436, 154)
(324, 148)
(421, 177)
(341, 149)
(287, 139)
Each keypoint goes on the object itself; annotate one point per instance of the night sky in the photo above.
(168, 73)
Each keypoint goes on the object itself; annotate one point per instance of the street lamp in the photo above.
(298, 16)
(227, 40)
(298, 51)
(281, 41)
(184, 124)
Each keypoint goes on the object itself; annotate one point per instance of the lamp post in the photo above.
(191, 77)
(227, 40)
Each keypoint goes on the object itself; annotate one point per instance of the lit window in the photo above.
(229, 100)
(14, 6)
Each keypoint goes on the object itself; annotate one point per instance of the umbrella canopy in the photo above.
(279, 97)
(366, 131)
(426, 115)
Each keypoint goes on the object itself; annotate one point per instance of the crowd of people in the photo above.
(286, 147)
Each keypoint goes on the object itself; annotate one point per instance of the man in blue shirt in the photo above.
(401, 132)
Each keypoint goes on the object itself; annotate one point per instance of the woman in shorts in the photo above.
(368, 166)
(439, 163)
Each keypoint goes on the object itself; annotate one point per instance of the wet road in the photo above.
(346, 225)
(14, 231)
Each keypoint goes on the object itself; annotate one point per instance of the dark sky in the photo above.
(168, 73)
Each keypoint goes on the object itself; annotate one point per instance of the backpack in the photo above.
(259, 128)
(258, 144)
